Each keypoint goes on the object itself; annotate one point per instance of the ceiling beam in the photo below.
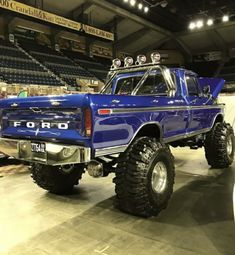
(153, 46)
(186, 51)
(126, 14)
(132, 37)
(218, 41)
(81, 10)
(113, 22)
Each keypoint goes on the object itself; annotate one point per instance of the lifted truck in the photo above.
(127, 129)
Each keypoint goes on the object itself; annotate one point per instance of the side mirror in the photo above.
(207, 90)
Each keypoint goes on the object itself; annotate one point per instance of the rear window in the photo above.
(154, 85)
(125, 86)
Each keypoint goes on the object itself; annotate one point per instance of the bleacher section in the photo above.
(104, 61)
(58, 63)
(90, 64)
(16, 67)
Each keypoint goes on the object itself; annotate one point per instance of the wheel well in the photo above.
(150, 130)
(219, 118)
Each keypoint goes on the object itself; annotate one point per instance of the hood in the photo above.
(216, 85)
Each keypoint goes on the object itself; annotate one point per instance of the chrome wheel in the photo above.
(159, 177)
(230, 145)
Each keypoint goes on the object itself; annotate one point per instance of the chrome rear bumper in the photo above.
(55, 154)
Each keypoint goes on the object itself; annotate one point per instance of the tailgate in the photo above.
(40, 122)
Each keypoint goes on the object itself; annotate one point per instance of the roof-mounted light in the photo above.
(116, 63)
(141, 60)
(128, 61)
(156, 57)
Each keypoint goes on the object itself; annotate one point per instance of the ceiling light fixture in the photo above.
(146, 9)
(199, 24)
(192, 25)
(132, 2)
(210, 22)
(225, 18)
(140, 6)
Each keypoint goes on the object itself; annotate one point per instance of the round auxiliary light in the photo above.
(116, 63)
(128, 61)
(156, 57)
(141, 60)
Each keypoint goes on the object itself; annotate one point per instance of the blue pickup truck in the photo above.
(127, 128)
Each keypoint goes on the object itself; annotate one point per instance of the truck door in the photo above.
(172, 111)
(199, 114)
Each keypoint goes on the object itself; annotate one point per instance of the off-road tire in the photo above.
(53, 179)
(134, 192)
(216, 143)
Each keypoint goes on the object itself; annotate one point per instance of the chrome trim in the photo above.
(55, 154)
(110, 150)
(186, 135)
(164, 108)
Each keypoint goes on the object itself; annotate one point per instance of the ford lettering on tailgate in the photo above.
(35, 124)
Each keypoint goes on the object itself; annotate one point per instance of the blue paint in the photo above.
(117, 128)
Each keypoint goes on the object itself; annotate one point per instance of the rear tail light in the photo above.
(88, 121)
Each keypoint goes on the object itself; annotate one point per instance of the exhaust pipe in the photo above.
(95, 169)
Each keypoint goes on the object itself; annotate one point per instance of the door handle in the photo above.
(115, 101)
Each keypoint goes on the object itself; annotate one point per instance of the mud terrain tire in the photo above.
(144, 178)
(219, 146)
(55, 179)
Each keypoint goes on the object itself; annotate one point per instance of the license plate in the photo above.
(38, 147)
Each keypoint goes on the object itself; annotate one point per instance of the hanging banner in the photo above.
(98, 32)
(53, 18)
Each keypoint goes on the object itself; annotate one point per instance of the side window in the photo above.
(192, 86)
(154, 85)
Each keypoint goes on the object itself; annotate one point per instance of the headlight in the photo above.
(116, 63)
(156, 57)
(141, 59)
(128, 61)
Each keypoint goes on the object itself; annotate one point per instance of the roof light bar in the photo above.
(140, 61)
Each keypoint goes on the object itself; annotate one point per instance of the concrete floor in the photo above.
(198, 220)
